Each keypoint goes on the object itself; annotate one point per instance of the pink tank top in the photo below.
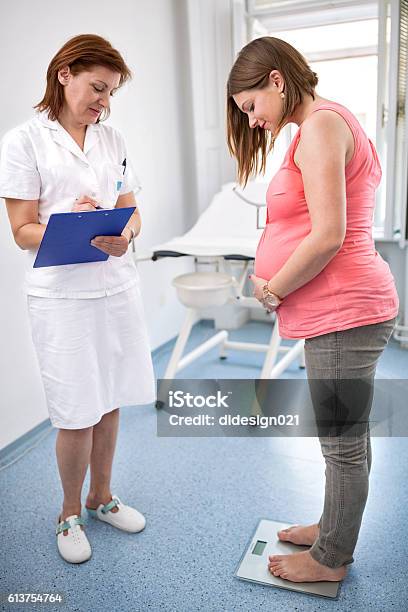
(356, 287)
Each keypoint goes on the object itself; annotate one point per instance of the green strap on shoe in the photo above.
(63, 526)
(112, 504)
(106, 508)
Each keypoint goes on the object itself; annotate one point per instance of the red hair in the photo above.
(80, 53)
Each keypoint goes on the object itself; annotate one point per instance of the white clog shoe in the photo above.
(73, 547)
(126, 518)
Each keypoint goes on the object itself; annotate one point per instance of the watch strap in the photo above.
(267, 293)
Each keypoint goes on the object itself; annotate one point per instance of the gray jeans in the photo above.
(342, 356)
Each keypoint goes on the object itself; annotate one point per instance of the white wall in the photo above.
(153, 114)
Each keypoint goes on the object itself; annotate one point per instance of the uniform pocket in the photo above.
(113, 182)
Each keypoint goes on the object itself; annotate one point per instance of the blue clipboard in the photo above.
(68, 235)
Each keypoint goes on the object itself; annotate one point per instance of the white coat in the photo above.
(39, 160)
(87, 319)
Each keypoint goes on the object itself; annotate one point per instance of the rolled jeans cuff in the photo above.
(325, 559)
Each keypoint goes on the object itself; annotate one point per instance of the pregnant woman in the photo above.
(87, 319)
(317, 266)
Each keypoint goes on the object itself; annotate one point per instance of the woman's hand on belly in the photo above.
(112, 245)
(259, 283)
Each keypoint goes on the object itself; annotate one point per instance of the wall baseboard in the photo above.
(20, 445)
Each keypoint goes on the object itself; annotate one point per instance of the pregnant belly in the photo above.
(274, 249)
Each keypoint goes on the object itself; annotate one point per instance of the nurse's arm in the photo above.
(135, 222)
(23, 216)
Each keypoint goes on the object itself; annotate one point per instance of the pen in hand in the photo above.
(84, 204)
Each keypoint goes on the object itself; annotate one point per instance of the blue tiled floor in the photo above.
(202, 498)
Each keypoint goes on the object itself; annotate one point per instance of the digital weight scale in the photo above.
(253, 565)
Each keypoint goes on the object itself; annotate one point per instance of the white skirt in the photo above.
(94, 355)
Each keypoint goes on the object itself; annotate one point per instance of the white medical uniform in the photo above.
(87, 319)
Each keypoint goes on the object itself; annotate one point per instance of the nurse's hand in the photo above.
(112, 245)
(84, 204)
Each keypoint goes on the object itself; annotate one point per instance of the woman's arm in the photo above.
(23, 216)
(325, 143)
(135, 222)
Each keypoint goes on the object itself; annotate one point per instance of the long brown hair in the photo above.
(251, 70)
(80, 53)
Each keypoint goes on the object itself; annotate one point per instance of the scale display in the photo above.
(253, 565)
(259, 547)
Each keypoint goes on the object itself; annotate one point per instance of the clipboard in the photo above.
(68, 235)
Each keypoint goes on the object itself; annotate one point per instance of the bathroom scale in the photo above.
(253, 565)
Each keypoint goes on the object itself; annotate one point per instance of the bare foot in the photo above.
(305, 535)
(301, 567)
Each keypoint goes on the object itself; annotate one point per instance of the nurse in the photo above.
(317, 266)
(87, 319)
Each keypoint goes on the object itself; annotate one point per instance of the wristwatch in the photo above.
(270, 300)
